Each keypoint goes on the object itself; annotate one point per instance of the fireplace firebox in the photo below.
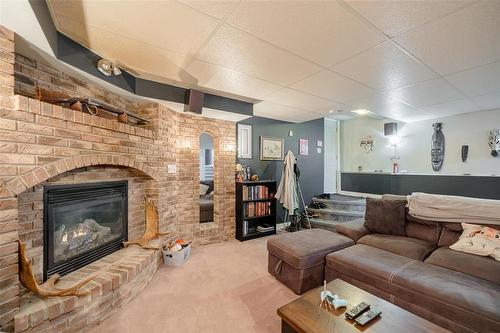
(83, 223)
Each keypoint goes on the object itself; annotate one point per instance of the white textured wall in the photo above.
(471, 129)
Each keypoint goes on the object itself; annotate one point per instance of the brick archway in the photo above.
(29, 179)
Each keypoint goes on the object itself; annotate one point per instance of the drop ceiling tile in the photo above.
(166, 24)
(298, 99)
(426, 93)
(325, 32)
(309, 116)
(333, 86)
(282, 112)
(244, 53)
(394, 17)
(384, 67)
(478, 81)
(217, 9)
(140, 57)
(462, 40)
(226, 80)
(385, 106)
(274, 108)
(488, 102)
(452, 108)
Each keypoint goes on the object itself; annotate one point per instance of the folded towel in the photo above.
(448, 208)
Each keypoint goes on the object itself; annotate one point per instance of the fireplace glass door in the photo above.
(83, 223)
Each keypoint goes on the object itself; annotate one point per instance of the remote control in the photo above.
(357, 310)
(368, 316)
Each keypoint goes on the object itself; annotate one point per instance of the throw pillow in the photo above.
(385, 216)
(203, 189)
(480, 240)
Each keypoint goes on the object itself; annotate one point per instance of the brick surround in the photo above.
(30, 206)
(42, 143)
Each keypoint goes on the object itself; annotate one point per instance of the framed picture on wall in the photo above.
(303, 147)
(271, 149)
(244, 141)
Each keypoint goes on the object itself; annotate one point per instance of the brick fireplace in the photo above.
(45, 146)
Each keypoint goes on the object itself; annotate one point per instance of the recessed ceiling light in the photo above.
(361, 111)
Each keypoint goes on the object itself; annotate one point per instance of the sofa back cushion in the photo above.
(385, 216)
(418, 228)
(423, 229)
(451, 232)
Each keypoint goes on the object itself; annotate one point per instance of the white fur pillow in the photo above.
(480, 240)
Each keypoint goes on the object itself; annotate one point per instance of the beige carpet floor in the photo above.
(223, 287)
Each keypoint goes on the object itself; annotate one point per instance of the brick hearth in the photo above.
(120, 277)
(42, 143)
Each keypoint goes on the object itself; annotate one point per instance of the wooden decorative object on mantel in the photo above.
(47, 288)
(152, 228)
(90, 105)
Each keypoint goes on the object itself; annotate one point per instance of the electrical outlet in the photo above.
(171, 168)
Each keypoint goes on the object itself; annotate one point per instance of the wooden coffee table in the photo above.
(304, 315)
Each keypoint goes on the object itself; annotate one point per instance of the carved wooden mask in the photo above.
(494, 142)
(437, 148)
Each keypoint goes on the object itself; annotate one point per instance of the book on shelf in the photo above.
(265, 228)
(254, 209)
(245, 227)
(256, 192)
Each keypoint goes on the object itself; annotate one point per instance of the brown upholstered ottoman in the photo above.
(297, 259)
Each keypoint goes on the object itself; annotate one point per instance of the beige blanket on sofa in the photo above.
(447, 208)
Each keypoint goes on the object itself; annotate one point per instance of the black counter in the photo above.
(487, 187)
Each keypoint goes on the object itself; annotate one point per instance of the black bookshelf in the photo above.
(263, 213)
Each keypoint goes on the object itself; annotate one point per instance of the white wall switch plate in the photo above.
(290, 133)
(172, 168)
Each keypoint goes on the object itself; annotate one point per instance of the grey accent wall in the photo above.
(311, 166)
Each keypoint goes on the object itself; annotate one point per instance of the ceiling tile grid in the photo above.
(403, 59)
(384, 67)
(459, 41)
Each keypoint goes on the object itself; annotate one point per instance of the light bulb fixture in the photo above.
(361, 112)
(116, 70)
(394, 140)
(108, 68)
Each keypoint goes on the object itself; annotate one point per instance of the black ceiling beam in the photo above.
(80, 57)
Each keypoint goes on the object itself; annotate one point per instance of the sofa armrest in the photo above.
(353, 229)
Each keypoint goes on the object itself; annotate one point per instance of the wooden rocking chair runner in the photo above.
(152, 228)
(47, 288)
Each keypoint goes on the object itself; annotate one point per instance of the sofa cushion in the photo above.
(413, 248)
(353, 229)
(306, 248)
(466, 299)
(423, 229)
(385, 216)
(481, 267)
(367, 264)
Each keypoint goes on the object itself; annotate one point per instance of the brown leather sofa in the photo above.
(418, 272)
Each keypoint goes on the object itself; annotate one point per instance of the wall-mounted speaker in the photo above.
(193, 101)
(390, 129)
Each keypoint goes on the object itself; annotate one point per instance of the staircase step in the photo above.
(358, 202)
(336, 212)
(325, 224)
(341, 202)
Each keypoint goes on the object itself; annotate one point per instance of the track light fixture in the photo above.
(108, 68)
